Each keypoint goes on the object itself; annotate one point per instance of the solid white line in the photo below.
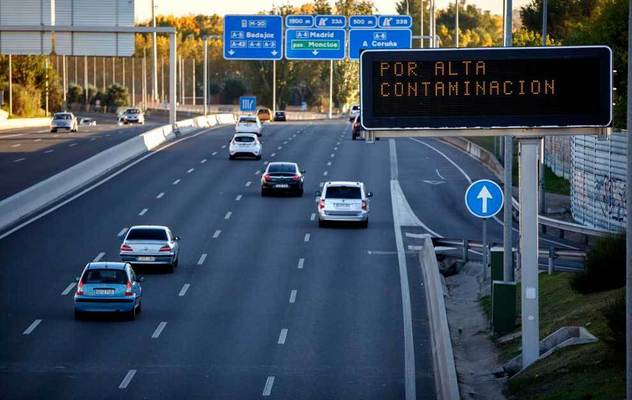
(159, 329)
(32, 327)
(446, 157)
(201, 260)
(128, 378)
(16, 145)
(68, 288)
(184, 289)
(273, 155)
(122, 232)
(213, 153)
(72, 144)
(203, 161)
(282, 336)
(307, 236)
(267, 389)
(223, 146)
(143, 211)
(160, 195)
(216, 234)
(325, 173)
(437, 171)
(312, 217)
(301, 262)
(228, 214)
(248, 183)
(19, 160)
(293, 296)
(98, 257)
(238, 197)
(49, 151)
(190, 170)
(176, 182)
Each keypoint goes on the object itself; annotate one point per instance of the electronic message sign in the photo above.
(486, 88)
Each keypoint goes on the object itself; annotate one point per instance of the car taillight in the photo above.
(364, 205)
(321, 204)
(125, 247)
(80, 288)
(128, 288)
(165, 248)
(296, 178)
(266, 177)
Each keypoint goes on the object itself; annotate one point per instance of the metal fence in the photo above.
(557, 155)
(598, 176)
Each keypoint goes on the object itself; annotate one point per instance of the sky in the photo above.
(221, 7)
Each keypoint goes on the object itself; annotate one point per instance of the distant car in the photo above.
(249, 124)
(108, 287)
(282, 177)
(356, 128)
(244, 145)
(64, 120)
(354, 111)
(151, 244)
(280, 116)
(263, 114)
(132, 116)
(343, 201)
(87, 122)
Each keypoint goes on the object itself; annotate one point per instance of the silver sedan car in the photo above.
(150, 244)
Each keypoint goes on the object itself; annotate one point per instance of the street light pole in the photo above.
(628, 236)
(205, 84)
(456, 25)
(421, 23)
(508, 267)
(155, 54)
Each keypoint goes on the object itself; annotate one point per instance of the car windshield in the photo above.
(343, 192)
(147, 234)
(280, 113)
(262, 112)
(115, 276)
(244, 139)
(133, 111)
(282, 168)
(62, 116)
(247, 119)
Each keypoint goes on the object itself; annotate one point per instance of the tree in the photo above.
(563, 16)
(233, 88)
(75, 94)
(117, 96)
(477, 28)
(524, 38)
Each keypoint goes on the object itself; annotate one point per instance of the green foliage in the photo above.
(614, 313)
(26, 101)
(233, 88)
(477, 28)
(75, 94)
(525, 38)
(604, 268)
(117, 96)
(563, 17)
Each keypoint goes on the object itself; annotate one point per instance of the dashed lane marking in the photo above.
(122, 232)
(19, 160)
(202, 258)
(248, 183)
(238, 197)
(128, 378)
(99, 257)
(32, 327)
(159, 329)
(216, 234)
(49, 151)
(307, 236)
(143, 212)
(293, 296)
(213, 153)
(312, 217)
(68, 288)
(301, 262)
(176, 181)
(267, 389)
(228, 214)
(203, 161)
(190, 170)
(184, 289)
(159, 196)
(282, 336)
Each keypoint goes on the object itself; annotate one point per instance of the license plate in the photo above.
(146, 258)
(282, 186)
(103, 291)
(341, 205)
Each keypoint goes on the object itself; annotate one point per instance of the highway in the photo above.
(30, 155)
(264, 303)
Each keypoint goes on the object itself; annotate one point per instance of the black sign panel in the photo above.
(486, 88)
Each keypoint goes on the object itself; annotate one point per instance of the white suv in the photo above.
(354, 111)
(343, 201)
(244, 144)
(249, 124)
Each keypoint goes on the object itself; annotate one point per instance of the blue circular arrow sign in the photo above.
(484, 198)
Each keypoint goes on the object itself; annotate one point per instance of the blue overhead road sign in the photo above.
(395, 21)
(378, 39)
(315, 44)
(330, 21)
(253, 37)
(362, 21)
(484, 198)
(299, 21)
(247, 104)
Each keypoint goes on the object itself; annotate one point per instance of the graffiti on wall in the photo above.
(610, 192)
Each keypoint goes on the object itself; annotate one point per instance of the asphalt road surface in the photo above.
(264, 303)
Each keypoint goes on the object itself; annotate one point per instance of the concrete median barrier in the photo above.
(18, 123)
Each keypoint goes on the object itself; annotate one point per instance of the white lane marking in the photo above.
(338, 143)
(329, 163)
(32, 327)
(325, 173)
(176, 182)
(38, 140)
(93, 139)
(336, 148)
(143, 212)
(238, 197)
(72, 144)
(98, 257)
(122, 232)
(190, 170)
(228, 214)
(285, 142)
(312, 217)
(184, 289)
(273, 155)
(257, 172)
(279, 147)
(68, 288)
(19, 160)
(282, 336)
(16, 145)
(159, 329)
(128, 378)
(332, 155)
(223, 146)
(216, 234)
(301, 262)
(49, 151)
(438, 174)
(293, 296)
(307, 236)
(213, 153)
(203, 161)
(16, 135)
(248, 183)
(159, 196)
(202, 258)
(267, 389)
(469, 180)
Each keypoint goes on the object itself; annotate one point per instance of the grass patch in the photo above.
(486, 142)
(486, 305)
(555, 184)
(589, 371)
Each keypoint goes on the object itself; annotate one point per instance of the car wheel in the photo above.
(264, 193)
(231, 157)
(78, 315)
(170, 268)
(258, 157)
(139, 308)
(53, 131)
(364, 224)
(299, 192)
(353, 137)
(131, 315)
(321, 223)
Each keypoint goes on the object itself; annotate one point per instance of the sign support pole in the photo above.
(485, 260)
(172, 80)
(331, 85)
(508, 267)
(11, 85)
(205, 76)
(273, 87)
(628, 258)
(529, 188)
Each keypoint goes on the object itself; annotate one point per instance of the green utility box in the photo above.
(503, 306)
(496, 258)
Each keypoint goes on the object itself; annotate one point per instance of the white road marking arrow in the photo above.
(484, 195)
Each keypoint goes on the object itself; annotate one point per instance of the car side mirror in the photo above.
(302, 171)
(317, 193)
(369, 194)
(178, 238)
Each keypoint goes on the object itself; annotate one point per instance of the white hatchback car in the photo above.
(343, 201)
(249, 124)
(244, 145)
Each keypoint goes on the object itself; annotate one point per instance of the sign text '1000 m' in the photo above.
(519, 87)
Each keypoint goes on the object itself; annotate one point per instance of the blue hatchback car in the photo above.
(108, 287)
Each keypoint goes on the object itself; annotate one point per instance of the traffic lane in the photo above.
(29, 159)
(101, 195)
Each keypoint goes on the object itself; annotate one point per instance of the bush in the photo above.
(75, 94)
(605, 266)
(117, 96)
(614, 313)
(26, 101)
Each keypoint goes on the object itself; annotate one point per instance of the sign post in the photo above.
(253, 37)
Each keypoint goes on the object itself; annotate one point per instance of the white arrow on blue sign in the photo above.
(253, 37)
(484, 198)
(247, 104)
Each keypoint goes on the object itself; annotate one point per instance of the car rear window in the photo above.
(247, 120)
(147, 234)
(133, 111)
(244, 139)
(105, 276)
(62, 116)
(281, 168)
(355, 108)
(343, 192)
